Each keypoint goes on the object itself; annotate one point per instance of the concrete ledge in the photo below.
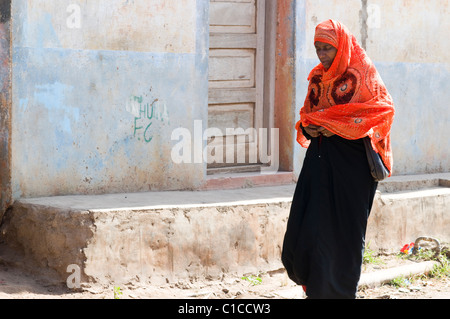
(153, 237)
(246, 180)
(414, 182)
(169, 236)
(399, 218)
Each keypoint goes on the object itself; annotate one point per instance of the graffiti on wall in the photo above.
(149, 115)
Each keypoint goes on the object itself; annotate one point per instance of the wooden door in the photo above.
(236, 80)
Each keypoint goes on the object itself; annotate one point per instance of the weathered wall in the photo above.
(400, 218)
(406, 41)
(5, 106)
(149, 245)
(152, 238)
(98, 90)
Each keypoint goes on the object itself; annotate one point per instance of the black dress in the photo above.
(325, 236)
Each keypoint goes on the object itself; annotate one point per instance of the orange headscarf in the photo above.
(349, 99)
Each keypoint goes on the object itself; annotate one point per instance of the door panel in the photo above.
(236, 79)
(232, 16)
(231, 68)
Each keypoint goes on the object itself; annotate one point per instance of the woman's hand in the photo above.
(325, 132)
(315, 131)
(312, 130)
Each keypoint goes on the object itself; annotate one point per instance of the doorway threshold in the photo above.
(247, 180)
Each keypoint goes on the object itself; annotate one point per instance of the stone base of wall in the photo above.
(164, 237)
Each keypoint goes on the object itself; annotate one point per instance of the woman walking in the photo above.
(346, 102)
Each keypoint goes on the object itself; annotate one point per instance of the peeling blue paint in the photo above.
(76, 101)
(52, 97)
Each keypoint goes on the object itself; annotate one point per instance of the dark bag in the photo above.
(377, 167)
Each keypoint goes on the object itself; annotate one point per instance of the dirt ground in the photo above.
(17, 284)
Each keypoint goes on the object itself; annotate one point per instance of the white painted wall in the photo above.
(408, 42)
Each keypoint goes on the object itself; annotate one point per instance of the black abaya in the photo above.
(324, 241)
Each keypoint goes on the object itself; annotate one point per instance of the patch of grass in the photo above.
(424, 255)
(442, 269)
(369, 256)
(439, 271)
(117, 293)
(400, 282)
(254, 280)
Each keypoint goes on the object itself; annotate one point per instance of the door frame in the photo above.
(279, 77)
(251, 43)
(284, 81)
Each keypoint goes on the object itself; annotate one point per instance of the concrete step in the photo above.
(399, 218)
(160, 237)
(156, 236)
(414, 182)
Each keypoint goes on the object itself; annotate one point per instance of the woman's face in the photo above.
(326, 53)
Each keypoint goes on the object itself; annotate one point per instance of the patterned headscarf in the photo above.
(350, 98)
